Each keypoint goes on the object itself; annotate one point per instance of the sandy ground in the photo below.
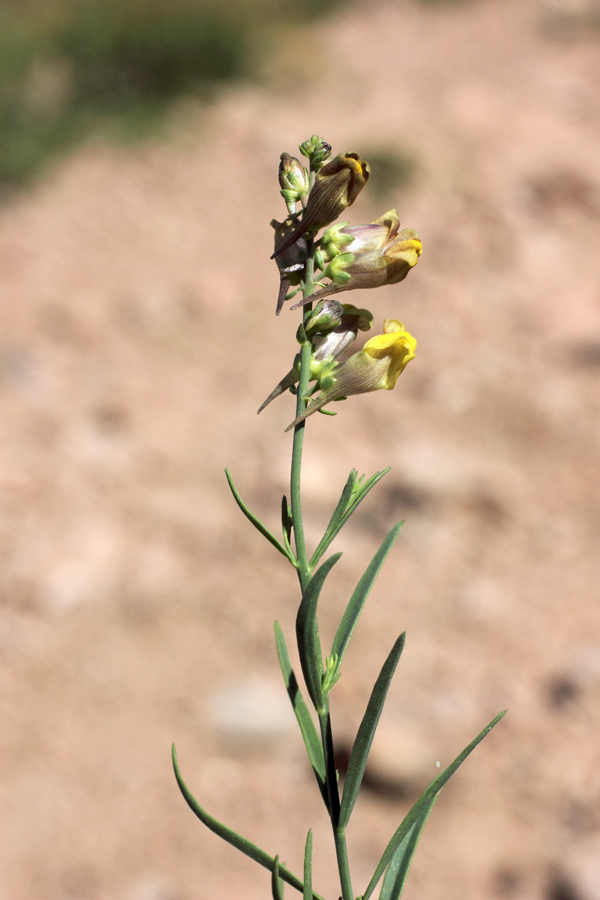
(138, 339)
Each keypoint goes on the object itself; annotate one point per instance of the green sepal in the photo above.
(257, 523)
(232, 837)
(308, 728)
(397, 871)
(355, 490)
(341, 277)
(308, 866)
(418, 809)
(366, 733)
(290, 195)
(360, 594)
(276, 882)
(327, 412)
(307, 633)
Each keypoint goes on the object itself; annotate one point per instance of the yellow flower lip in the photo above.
(410, 245)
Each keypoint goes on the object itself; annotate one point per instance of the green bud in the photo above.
(331, 674)
(316, 150)
(325, 317)
(293, 180)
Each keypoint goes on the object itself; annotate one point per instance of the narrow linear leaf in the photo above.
(397, 871)
(337, 516)
(308, 866)
(307, 633)
(366, 733)
(276, 882)
(418, 808)
(256, 522)
(308, 728)
(361, 592)
(232, 837)
(362, 493)
(341, 514)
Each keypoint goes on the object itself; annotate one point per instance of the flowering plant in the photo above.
(350, 257)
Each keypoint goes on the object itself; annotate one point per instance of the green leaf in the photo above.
(422, 803)
(341, 507)
(395, 877)
(359, 597)
(352, 496)
(233, 838)
(276, 882)
(257, 523)
(308, 729)
(366, 733)
(336, 518)
(307, 633)
(308, 867)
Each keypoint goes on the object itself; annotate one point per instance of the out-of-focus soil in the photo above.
(138, 339)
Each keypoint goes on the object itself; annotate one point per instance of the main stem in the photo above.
(304, 574)
(305, 355)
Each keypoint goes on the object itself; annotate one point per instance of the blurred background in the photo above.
(139, 145)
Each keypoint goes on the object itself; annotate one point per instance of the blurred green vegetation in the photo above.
(71, 66)
(392, 170)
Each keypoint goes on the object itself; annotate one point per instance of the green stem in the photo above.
(333, 795)
(304, 574)
(341, 851)
(305, 356)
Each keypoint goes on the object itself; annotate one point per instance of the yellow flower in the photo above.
(388, 263)
(331, 344)
(376, 367)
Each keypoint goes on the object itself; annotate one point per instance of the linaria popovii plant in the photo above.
(362, 256)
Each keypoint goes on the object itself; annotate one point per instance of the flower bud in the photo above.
(339, 339)
(376, 367)
(329, 350)
(388, 265)
(316, 150)
(326, 316)
(337, 186)
(293, 180)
